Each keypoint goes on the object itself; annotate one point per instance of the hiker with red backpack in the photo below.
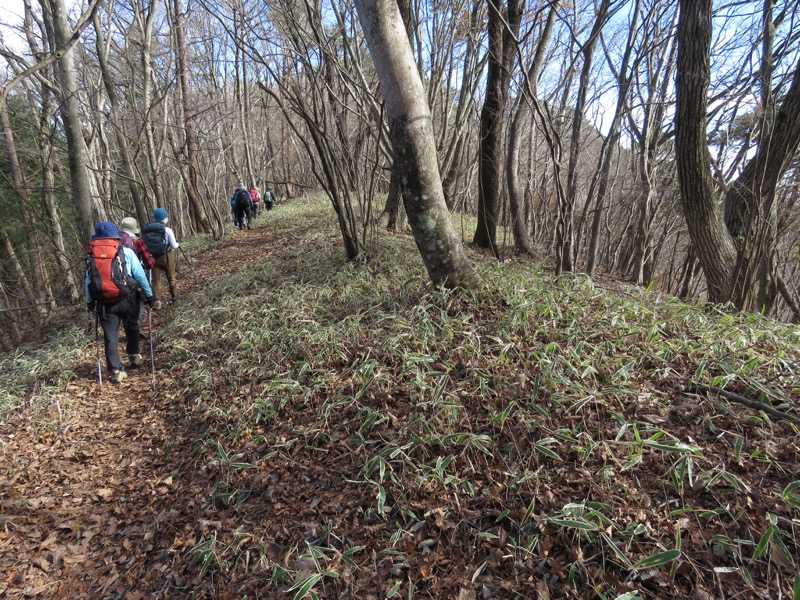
(115, 285)
(255, 196)
(160, 241)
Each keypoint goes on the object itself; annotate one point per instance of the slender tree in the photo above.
(503, 29)
(414, 147)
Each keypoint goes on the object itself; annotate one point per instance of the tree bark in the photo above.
(414, 147)
(712, 243)
(565, 238)
(196, 210)
(503, 29)
(731, 250)
(516, 198)
(71, 118)
(116, 123)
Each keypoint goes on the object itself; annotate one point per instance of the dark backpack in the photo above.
(242, 198)
(105, 265)
(155, 238)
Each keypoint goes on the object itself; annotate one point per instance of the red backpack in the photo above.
(105, 265)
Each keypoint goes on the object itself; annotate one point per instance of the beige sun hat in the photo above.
(130, 225)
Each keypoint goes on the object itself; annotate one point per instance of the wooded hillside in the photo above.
(651, 140)
(315, 429)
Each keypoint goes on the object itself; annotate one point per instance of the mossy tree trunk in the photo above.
(414, 146)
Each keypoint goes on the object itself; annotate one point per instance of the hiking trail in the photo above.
(102, 491)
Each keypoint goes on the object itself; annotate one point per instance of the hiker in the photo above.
(255, 196)
(160, 241)
(129, 230)
(115, 286)
(269, 198)
(242, 205)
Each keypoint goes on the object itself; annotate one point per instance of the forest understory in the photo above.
(329, 430)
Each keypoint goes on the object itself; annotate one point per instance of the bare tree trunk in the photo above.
(565, 242)
(731, 256)
(414, 147)
(503, 29)
(23, 281)
(712, 243)
(522, 240)
(607, 152)
(245, 111)
(71, 118)
(391, 215)
(116, 123)
(151, 150)
(27, 279)
(196, 209)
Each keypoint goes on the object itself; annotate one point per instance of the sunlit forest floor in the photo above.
(329, 430)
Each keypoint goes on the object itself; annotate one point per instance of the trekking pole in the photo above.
(152, 360)
(187, 261)
(97, 345)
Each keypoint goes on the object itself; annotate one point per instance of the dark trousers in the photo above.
(255, 210)
(240, 214)
(126, 313)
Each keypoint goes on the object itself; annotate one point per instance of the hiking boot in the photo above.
(136, 360)
(117, 376)
(157, 305)
(176, 297)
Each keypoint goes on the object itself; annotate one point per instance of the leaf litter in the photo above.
(329, 431)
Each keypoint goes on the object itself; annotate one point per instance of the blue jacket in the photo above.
(249, 199)
(133, 268)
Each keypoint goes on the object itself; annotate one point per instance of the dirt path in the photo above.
(95, 494)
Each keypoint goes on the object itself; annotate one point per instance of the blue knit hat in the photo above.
(104, 229)
(160, 214)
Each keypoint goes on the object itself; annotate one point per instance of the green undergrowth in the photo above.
(33, 373)
(539, 417)
(540, 431)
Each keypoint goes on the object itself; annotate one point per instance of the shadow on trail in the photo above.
(103, 492)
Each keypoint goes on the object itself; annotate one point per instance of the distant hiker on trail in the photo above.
(160, 242)
(115, 285)
(269, 198)
(255, 196)
(129, 230)
(242, 205)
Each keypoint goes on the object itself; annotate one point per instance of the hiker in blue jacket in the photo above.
(242, 205)
(125, 311)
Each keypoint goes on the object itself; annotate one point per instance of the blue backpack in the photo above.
(155, 238)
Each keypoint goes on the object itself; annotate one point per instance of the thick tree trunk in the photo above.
(751, 212)
(712, 243)
(503, 29)
(733, 251)
(414, 147)
(71, 118)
